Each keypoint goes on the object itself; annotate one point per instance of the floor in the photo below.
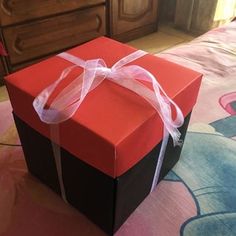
(165, 38)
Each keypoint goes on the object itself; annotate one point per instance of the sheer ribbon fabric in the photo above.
(95, 71)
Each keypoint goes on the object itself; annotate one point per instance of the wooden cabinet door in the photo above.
(129, 15)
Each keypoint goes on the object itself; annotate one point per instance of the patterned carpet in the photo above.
(196, 198)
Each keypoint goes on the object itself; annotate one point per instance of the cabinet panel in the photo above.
(127, 15)
(133, 9)
(14, 11)
(39, 38)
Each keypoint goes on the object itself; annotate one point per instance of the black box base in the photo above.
(106, 201)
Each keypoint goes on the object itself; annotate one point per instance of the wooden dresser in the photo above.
(35, 29)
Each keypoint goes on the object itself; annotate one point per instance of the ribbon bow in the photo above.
(129, 76)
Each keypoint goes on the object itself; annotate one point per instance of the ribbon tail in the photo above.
(54, 129)
(160, 158)
(129, 77)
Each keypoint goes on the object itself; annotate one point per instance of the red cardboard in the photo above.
(114, 128)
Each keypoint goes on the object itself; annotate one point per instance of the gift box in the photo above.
(103, 158)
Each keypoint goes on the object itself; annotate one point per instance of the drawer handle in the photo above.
(16, 46)
(6, 8)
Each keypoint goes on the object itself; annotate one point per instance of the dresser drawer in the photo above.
(39, 38)
(15, 11)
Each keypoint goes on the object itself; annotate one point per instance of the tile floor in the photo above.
(165, 37)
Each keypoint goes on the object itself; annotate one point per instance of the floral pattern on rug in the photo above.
(196, 198)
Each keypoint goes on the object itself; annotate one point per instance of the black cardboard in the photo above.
(106, 201)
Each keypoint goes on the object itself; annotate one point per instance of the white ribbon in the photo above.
(70, 98)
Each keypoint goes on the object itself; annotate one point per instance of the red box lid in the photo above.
(114, 128)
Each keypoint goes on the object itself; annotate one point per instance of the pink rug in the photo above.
(196, 198)
(27, 207)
